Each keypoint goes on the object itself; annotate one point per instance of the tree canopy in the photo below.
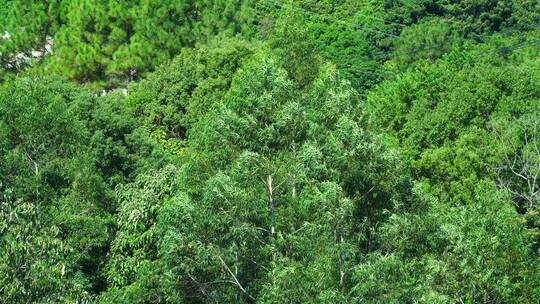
(269, 151)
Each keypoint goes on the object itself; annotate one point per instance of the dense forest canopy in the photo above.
(264, 151)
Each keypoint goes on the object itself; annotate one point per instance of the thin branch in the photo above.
(237, 283)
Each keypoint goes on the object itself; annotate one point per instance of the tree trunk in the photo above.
(271, 206)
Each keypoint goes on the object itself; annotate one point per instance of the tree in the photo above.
(61, 202)
(265, 172)
(309, 33)
(440, 253)
(33, 265)
(27, 27)
(118, 41)
(520, 166)
(269, 151)
(56, 145)
(441, 114)
(171, 99)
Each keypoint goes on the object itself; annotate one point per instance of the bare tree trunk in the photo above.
(341, 260)
(293, 186)
(271, 205)
(236, 275)
(36, 170)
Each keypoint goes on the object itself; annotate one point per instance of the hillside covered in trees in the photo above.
(265, 151)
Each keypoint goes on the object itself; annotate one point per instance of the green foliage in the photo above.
(25, 28)
(462, 121)
(474, 253)
(108, 43)
(226, 213)
(425, 41)
(180, 93)
(269, 151)
(308, 32)
(33, 263)
(45, 162)
(39, 134)
(63, 151)
(453, 102)
(474, 17)
(132, 269)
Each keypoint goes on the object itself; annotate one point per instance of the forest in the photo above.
(270, 151)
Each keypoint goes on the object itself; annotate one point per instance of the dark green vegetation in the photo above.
(229, 151)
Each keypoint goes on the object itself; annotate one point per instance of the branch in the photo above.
(237, 283)
(32, 161)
